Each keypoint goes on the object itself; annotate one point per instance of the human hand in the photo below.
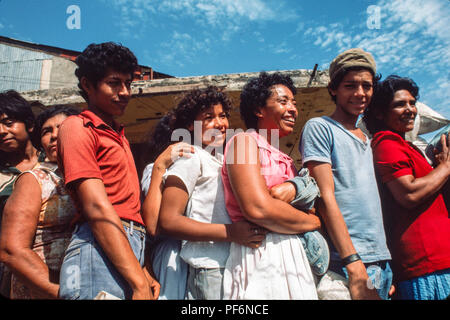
(172, 153)
(142, 293)
(285, 192)
(391, 291)
(246, 233)
(155, 286)
(358, 281)
(443, 157)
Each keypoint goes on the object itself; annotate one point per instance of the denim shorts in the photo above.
(86, 270)
(379, 273)
(205, 284)
(432, 286)
(317, 251)
(307, 190)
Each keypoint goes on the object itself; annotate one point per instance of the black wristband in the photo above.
(351, 258)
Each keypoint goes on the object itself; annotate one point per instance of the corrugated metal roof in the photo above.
(20, 69)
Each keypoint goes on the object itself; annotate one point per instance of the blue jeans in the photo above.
(379, 272)
(317, 252)
(432, 286)
(86, 270)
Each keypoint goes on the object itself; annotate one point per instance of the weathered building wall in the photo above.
(20, 69)
(63, 73)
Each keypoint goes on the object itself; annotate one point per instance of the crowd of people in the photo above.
(219, 216)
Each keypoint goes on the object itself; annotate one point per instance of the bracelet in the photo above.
(351, 258)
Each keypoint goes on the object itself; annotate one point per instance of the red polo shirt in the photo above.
(89, 148)
(419, 238)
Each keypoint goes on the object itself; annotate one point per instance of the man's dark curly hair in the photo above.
(183, 115)
(98, 59)
(16, 107)
(336, 81)
(382, 98)
(255, 93)
(48, 113)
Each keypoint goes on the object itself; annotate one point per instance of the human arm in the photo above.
(174, 223)
(337, 230)
(155, 286)
(152, 202)
(301, 191)
(108, 231)
(411, 192)
(19, 224)
(258, 206)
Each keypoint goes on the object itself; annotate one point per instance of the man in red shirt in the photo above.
(106, 252)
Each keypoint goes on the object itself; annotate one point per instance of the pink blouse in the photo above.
(276, 168)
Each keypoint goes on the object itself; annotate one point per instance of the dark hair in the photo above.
(336, 81)
(182, 116)
(68, 110)
(98, 59)
(255, 93)
(16, 107)
(382, 98)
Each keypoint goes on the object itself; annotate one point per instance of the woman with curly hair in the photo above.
(192, 206)
(416, 217)
(278, 268)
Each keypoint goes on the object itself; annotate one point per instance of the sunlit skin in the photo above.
(49, 134)
(280, 111)
(213, 118)
(110, 97)
(13, 134)
(15, 142)
(402, 112)
(353, 95)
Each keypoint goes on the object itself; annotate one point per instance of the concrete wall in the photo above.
(22, 69)
(63, 73)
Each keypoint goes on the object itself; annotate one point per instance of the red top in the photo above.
(89, 148)
(419, 238)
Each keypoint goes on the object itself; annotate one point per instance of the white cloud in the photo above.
(182, 47)
(412, 34)
(413, 40)
(281, 48)
(214, 13)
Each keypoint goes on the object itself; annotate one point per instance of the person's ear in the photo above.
(258, 113)
(331, 91)
(86, 84)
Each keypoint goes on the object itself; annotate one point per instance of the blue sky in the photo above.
(206, 37)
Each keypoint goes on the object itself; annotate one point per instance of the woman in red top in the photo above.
(416, 218)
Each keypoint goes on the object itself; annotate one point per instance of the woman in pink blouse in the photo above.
(278, 268)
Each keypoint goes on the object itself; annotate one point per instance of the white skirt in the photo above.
(277, 270)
